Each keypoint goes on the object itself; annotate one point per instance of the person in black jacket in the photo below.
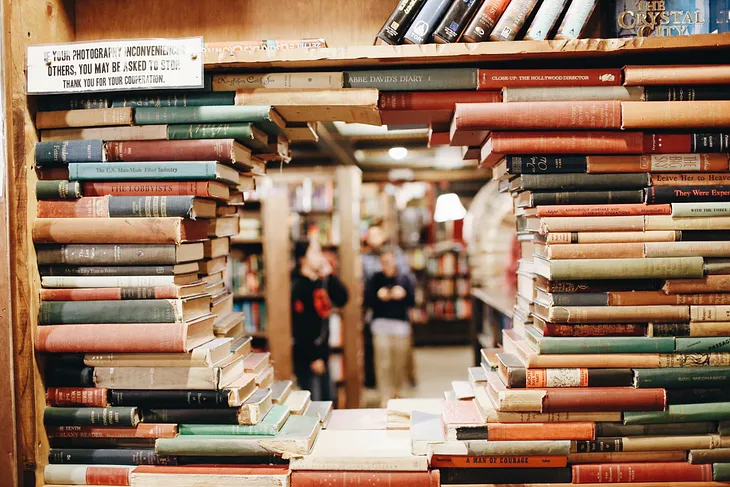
(315, 290)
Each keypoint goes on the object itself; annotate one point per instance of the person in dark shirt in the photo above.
(389, 294)
(315, 290)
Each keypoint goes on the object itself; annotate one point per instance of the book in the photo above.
(683, 378)
(714, 455)
(77, 396)
(687, 329)
(594, 197)
(86, 474)
(674, 115)
(113, 254)
(434, 100)
(681, 413)
(118, 456)
(140, 431)
(173, 99)
(545, 19)
(204, 189)
(472, 461)
(320, 409)
(575, 19)
(706, 284)
(128, 206)
(624, 457)
(480, 476)
(226, 150)
(153, 171)
(69, 151)
(670, 429)
(263, 45)
(501, 448)
(269, 426)
(233, 82)
(263, 116)
(113, 281)
(657, 163)
(685, 93)
(58, 190)
(521, 431)
(484, 20)
(400, 19)
(511, 22)
(455, 21)
(74, 102)
(577, 345)
(516, 375)
(245, 133)
(337, 478)
(600, 210)
(123, 270)
(609, 182)
(642, 472)
(693, 17)
(690, 210)
(223, 476)
(90, 416)
(95, 117)
(424, 24)
(679, 194)
(280, 390)
(149, 132)
(663, 267)
(167, 378)
(297, 402)
(575, 93)
(432, 79)
(205, 355)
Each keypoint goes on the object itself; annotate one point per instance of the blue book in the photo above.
(151, 171)
(63, 152)
(679, 17)
(426, 21)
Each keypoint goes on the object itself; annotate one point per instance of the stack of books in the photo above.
(617, 365)
(146, 360)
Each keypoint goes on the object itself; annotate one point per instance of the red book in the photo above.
(221, 150)
(103, 475)
(204, 189)
(81, 208)
(600, 399)
(77, 396)
(435, 100)
(491, 79)
(116, 293)
(438, 138)
(416, 117)
(601, 330)
(202, 475)
(602, 210)
(615, 473)
(370, 479)
(142, 430)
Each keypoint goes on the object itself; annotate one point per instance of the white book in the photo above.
(462, 389)
(297, 402)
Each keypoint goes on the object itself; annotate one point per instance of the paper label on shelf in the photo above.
(136, 64)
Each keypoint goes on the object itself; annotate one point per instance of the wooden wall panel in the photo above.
(340, 22)
(31, 22)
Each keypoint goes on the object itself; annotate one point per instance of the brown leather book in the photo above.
(204, 189)
(435, 100)
(670, 472)
(693, 74)
(668, 115)
(118, 230)
(93, 117)
(77, 396)
(221, 150)
(658, 163)
(338, 478)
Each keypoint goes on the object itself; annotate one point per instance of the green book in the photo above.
(152, 171)
(58, 190)
(127, 311)
(655, 268)
(721, 472)
(426, 79)
(85, 416)
(703, 344)
(245, 133)
(263, 116)
(681, 413)
(156, 100)
(683, 378)
(269, 426)
(578, 345)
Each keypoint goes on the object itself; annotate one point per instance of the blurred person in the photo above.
(315, 291)
(389, 295)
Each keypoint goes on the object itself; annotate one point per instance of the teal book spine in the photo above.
(703, 345)
(683, 378)
(84, 416)
(438, 79)
(579, 345)
(156, 100)
(242, 132)
(721, 472)
(142, 171)
(259, 115)
(91, 312)
(681, 413)
(212, 446)
(227, 430)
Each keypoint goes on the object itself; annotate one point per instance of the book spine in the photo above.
(578, 345)
(689, 329)
(632, 223)
(541, 378)
(689, 210)
(77, 396)
(512, 20)
(604, 399)
(686, 93)
(434, 100)
(414, 79)
(594, 330)
(484, 20)
(425, 22)
(119, 456)
(680, 413)
(596, 251)
(564, 142)
(111, 338)
(89, 312)
(111, 293)
(588, 198)
(397, 24)
(475, 476)
(141, 171)
(545, 19)
(704, 143)
(88, 416)
(613, 237)
(584, 181)
(227, 430)
(703, 345)
(575, 19)
(667, 268)
(491, 461)
(687, 249)
(78, 376)
(243, 131)
(715, 455)
(710, 284)
(150, 206)
(80, 208)
(579, 299)
(619, 430)
(574, 93)
(599, 286)
(86, 475)
(168, 399)
(455, 21)
(163, 150)
(211, 98)
(58, 190)
(642, 298)
(698, 396)
(78, 102)
(105, 271)
(84, 118)
(103, 255)
(335, 478)
(624, 457)
(584, 115)
(539, 164)
(641, 472)
(541, 431)
(684, 378)
(145, 188)
(675, 115)
(192, 416)
(602, 210)
(690, 194)
(657, 163)
(289, 81)
(141, 431)
(69, 151)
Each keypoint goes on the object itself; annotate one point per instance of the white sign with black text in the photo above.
(136, 64)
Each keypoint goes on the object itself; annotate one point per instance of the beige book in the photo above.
(216, 247)
(352, 105)
(627, 457)
(298, 401)
(227, 325)
(206, 355)
(223, 227)
(253, 410)
(257, 362)
(573, 93)
(370, 450)
(670, 443)
(613, 314)
(462, 389)
(669, 115)
(280, 390)
(167, 378)
(687, 249)
(666, 222)
(301, 132)
(661, 267)
(241, 389)
(611, 237)
(234, 82)
(691, 210)
(676, 74)
(135, 132)
(710, 313)
(93, 117)
(214, 475)
(513, 400)
(587, 224)
(265, 379)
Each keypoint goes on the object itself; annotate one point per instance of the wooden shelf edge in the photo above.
(251, 297)
(501, 302)
(459, 53)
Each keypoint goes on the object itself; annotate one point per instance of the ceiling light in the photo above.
(398, 153)
(448, 208)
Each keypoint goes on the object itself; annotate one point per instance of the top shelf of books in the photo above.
(464, 53)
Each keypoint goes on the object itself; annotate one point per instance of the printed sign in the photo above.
(138, 64)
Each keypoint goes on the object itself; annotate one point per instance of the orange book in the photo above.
(80, 208)
(475, 461)
(602, 210)
(658, 163)
(633, 250)
(648, 298)
(710, 74)
(705, 179)
(669, 115)
(707, 284)
(541, 431)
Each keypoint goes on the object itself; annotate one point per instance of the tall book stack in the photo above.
(147, 362)
(618, 369)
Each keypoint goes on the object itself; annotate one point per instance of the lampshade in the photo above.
(449, 207)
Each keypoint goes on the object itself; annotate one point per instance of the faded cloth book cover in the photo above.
(641, 18)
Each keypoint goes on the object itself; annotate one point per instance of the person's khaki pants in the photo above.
(391, 360)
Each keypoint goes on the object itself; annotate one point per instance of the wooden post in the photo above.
(349, 183)
(277, 272)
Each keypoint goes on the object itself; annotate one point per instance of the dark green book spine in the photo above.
(678, 429)
(168, 399)
(150, 206)
(156, 100)
(89, 312)
(600, 445)
(58, 190)
(104, 254)
(127, 270)
(538, 164)
(259, 115)
(580, 299)
(84, 416)
(63, 152)
(242, 132)
(703, 345)
(714, 455)
(115, 456)
(704, 236)
(414, 79)
(191, 416)
(53, 103)
(697, 396)
(686, 93)
(584, 181)
(578, 345)
(681, 413)
(682, 378)
(721, 472)
(670, 329)
(587, 198)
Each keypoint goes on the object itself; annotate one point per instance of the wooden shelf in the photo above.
(462, 53)
(503, 303)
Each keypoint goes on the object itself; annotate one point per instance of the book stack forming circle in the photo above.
(616, 368)
(147, 367)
